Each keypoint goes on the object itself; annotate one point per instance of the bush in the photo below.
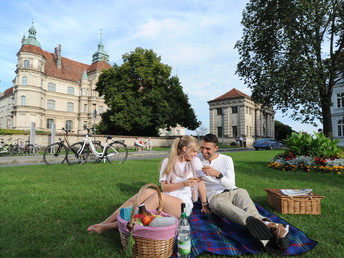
(303, 144)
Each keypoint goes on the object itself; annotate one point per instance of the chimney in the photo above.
(58, 56)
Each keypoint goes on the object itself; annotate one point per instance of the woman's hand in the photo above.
(192, 181)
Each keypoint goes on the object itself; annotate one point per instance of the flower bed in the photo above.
(308, 164)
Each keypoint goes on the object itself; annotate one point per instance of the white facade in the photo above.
(234, 114)
(50, 89)
(337, 112)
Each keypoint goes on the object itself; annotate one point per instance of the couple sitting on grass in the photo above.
(215, 182)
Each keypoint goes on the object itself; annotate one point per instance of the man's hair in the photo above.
(211, 138)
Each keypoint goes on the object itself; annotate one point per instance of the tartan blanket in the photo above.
(218, 235)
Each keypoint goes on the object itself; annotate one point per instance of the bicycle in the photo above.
(5, 149)
(56, 153)
(115, 152)
(26, 147)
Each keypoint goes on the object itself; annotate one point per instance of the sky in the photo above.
(196, 38)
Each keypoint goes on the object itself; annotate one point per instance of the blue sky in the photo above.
(196, 38)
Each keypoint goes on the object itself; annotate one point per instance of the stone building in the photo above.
(234, 114)
(51, 89)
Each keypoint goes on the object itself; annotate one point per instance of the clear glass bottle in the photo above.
(184, 240)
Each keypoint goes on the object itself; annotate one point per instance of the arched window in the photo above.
(340, 128)
(70, 107)
(51, 104)
(50, 123)
(69, 124)
(24, 81)
(51, 86)
(26, 64)
(70, 90)
(23, 100)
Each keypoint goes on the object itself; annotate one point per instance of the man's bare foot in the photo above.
(102, 227)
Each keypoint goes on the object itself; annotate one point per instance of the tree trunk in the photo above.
(327, 121)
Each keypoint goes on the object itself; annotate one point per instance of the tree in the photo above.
(142, 97)
(282, 131)
(201, 131)
(291, 55)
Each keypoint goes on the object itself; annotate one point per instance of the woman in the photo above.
(178, 178)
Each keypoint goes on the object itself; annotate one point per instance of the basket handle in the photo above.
(135, 205)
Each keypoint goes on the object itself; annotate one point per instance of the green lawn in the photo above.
(45, 210)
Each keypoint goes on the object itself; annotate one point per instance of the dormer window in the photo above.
(26, 63)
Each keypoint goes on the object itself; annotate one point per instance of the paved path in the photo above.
(38, 159)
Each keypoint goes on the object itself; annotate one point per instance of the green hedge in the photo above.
(20, 132)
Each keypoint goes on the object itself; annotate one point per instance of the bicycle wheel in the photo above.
(6, 150)
(116, 152)
(99, 148)
(77, 154)
(31, 149)
(55, 153)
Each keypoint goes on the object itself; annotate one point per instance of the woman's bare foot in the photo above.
(102, 227)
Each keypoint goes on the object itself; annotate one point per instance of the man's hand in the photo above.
(205, 209)
(209, 171)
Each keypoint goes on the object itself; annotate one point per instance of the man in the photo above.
(227, 200)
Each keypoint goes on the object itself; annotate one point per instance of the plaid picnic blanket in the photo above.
(218, 235)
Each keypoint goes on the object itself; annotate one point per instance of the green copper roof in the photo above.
(84, 76)
(31, 40)
(100, 54)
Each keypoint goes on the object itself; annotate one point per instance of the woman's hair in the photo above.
(187, 141)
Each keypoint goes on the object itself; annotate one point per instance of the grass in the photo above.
(45, 210)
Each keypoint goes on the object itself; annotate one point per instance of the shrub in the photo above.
(303, 144)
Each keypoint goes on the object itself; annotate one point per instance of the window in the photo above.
(219, 111)
(26, 63)
(70, 107)
(51, 86)
(51, 104)
(235, 131)
(340, 128)
(219, 131)
(50, 123)
(101, 109)
(24, 81)
(70, 90)
(84, 92)
(85, 108)
(234, 110)
(69, 125)
(340, 98)
(23, 100)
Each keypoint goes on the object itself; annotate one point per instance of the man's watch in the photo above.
(220, 176)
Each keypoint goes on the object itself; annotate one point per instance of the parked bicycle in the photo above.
(114, 152)
(26, 147)
(5, 149)
(56, 153)
(16, 147)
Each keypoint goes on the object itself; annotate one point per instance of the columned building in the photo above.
(51, 89)
(234, 114)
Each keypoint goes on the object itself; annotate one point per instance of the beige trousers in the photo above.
(235, 205)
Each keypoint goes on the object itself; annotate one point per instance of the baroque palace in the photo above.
(50, 89)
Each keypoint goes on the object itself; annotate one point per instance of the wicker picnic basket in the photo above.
(294, 204)
(154, 242)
